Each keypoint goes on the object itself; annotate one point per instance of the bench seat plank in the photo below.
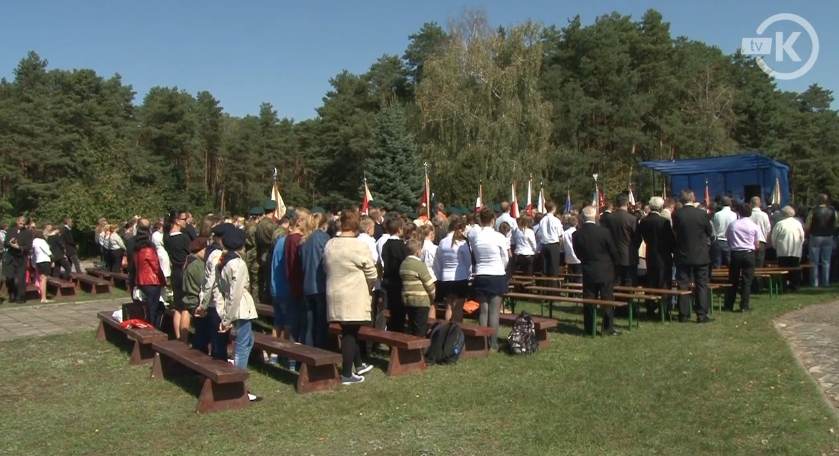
(407, 352)
(142, 338)
(319, 369)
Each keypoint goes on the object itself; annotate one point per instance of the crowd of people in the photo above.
(315, 267)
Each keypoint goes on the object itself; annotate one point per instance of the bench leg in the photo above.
(106, 332)
(163, 367)
(317, 378)
(403, 361)
(141, 353)
(101, 335)
(475, 346)
(216, 397)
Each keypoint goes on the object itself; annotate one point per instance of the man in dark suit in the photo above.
(18, 249)
(70, 248)
(623, 227)
(657, 233)
(594, 247)
(693, 232)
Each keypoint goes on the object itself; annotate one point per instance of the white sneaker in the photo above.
(363, 369)
(351, 379)
(273, 360)
(254, 397)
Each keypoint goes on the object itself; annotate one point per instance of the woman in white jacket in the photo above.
(236, 308)
(42, 257)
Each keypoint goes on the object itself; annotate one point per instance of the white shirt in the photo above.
(567, 237)
(379, 244)
(506, 217)
(788, 237)
(41, 252)
(371, 243)
(453, 260)
(162, 255)
(209, 294)
(762, 221)
(720, 222)
(429, 252)
(114, 242)
(525, 242)
(550, 229)
(490, 249)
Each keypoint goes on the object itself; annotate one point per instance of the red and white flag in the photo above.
(707, 197)
(425, 200)
(529, 208)
(514, 205)
(631, 196)
(540, 205)
(479, 202)
(365, 203)
(280, 211)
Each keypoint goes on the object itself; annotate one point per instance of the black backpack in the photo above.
(522, 339)
(447, 343)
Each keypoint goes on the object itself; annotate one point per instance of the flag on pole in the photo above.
(529, 208)
(631, 196)
(595, 197)
(776, 192)
(707, 197)
(425, 201)
(280, 210)
(365, 203)
(540, 205)
(514, 206)
(479, 202)
(568, 207)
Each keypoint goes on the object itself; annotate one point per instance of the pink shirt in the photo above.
(742, 234)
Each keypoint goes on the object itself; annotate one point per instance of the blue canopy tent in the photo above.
(741, 176)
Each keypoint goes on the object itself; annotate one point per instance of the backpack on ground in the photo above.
(447, 343)
(522, 339)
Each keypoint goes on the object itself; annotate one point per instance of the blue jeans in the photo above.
(206, 334)
(821, 247)
(317, 328)
(244, 343)
(297, 319)
(720, 253)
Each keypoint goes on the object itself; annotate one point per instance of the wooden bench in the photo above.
(663, 292)
(94, 284)
(407, 352)
(103, 274)
(541, 325)
(61, 287)
(630, 298)
(223, 385)
(319, 367)
(120, 278)
(475, 338)
(141, 338)
(582, 301)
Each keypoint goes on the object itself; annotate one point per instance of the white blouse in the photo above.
(491, 252)
(41, 252)
(429, 252)
(525, 242)
(453, 261)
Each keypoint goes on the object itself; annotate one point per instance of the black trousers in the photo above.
(794, 277)
(658, 276)
(625, 275)
(15, 271)
(58, 265)
(350, 352)
(760, 260)
(575, 269)
(73, 256)
(598, 290)
(417, 320)
(114, 260)
(687, 274)
(154, 309)
(553, 259)
(740, 275)
(206, 334)
(396, 307)
(524, 264)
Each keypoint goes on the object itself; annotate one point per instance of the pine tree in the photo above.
(393, 168)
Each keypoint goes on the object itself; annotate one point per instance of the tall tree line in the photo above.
(478, 103)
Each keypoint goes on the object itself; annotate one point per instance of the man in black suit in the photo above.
(623, 227)
(693, 232)
(18, 249)
(70, 248)
(594, 247)
(657, 233)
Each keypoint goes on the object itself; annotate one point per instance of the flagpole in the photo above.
(427, 192)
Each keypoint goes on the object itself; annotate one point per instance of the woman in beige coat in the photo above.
(350, 274)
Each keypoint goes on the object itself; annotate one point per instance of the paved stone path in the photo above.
(49, 319)
(813, 333)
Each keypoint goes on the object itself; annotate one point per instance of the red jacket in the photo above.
(147, 266)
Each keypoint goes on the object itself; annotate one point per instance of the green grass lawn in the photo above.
(730, 387)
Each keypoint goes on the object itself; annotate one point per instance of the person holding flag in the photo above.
(365, 202)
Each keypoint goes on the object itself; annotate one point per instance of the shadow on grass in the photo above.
(277, 373)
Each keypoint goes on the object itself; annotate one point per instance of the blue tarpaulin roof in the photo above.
(729, 174)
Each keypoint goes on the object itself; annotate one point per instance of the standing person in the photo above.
(251, 255)
(550, 233)
(100, 234)
(350, 273)
(692, 231)
(265, 229)
(163, 257)
(208, 319)
(623, 227)
(426, 235)
(571, 260)
(314, 281)
(595, 248)
(18, 249)
(130, 244)
(744, 240)
(764, 230)
(189, 228)
(452, 268)
(42, 258)
(59, 253)
(280, 291)
(722, 218)
(391, 257)
(524, 243)
(658, 236)
(417, 289)
(294, 273)
(821, 225)
(788, 239)
(505, 217)
(116, 248)
(149, 276)
(71, 249)
(177, 247)
(236, 308)
(194, 274)
(366, 233)
(378, 220)
(490, 249)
